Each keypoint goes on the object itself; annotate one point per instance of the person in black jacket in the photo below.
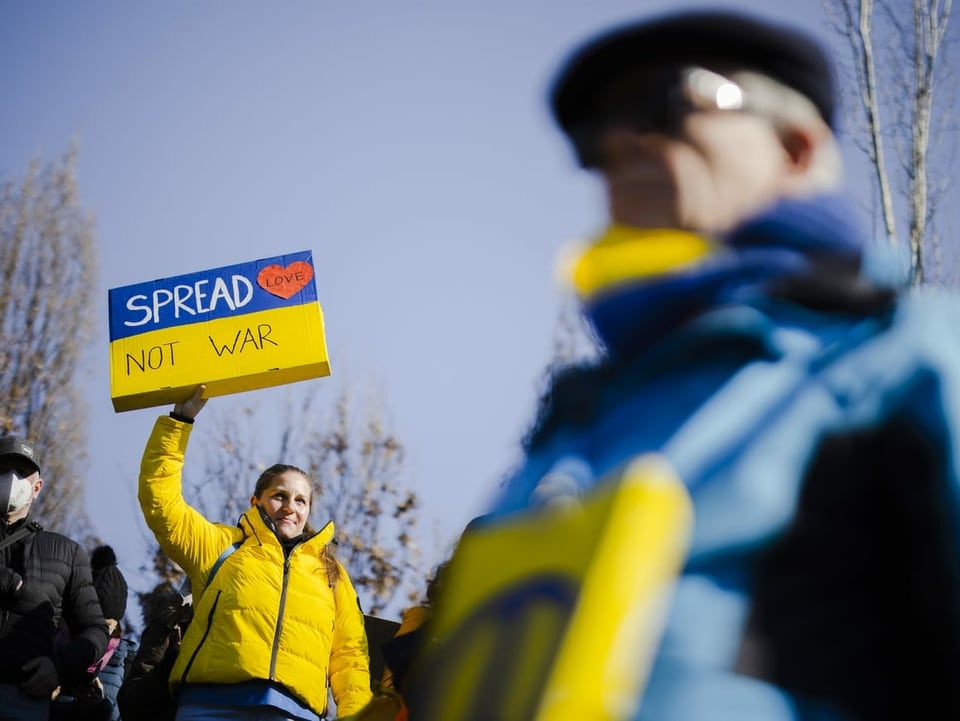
(44, 578)
(145, 692)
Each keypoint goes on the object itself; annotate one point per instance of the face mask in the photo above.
(15, 492)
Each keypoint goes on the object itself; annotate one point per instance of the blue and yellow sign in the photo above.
(235, 328)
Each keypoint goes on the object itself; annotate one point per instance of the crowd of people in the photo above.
(810, 406)
(271, 626)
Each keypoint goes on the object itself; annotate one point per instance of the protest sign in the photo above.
(234, 328)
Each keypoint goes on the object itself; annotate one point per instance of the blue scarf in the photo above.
(636, 285)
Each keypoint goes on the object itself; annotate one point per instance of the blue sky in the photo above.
(406, 144)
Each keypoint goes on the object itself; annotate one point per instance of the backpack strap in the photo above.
(223, 557)
(25, 530)
(747, 404)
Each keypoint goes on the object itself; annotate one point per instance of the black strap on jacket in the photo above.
(31, 527)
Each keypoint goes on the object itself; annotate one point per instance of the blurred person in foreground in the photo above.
(808, 402)
(45, 579)
(280, 620)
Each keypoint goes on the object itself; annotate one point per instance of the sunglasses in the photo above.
(654, 101)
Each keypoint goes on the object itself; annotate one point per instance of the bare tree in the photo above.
(898, 64)
(47, 279)
(356, 466)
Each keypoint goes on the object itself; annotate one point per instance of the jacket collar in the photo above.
(253, 523)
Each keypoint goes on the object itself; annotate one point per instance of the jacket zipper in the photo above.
(280, 611)
(279, 629)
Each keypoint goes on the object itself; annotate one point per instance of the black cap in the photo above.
(16, 448)
(708, 38)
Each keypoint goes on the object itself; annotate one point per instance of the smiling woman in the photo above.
(283, 493)
(279, 618)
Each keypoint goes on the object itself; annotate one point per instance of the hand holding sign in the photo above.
(193, 405)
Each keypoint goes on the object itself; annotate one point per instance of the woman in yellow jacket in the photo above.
(280, 617)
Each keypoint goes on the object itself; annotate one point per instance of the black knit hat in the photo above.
(110, 584)
(709, 38)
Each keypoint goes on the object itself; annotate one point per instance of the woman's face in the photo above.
(287, 501)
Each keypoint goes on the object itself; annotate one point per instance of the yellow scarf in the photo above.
(623, 255)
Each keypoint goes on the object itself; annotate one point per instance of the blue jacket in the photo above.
(819, 451)
(111, 675)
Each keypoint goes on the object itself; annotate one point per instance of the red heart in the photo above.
(285, 282)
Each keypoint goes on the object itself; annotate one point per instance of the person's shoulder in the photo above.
(923, 331)
(58, 551)
(929, 313)
(931, 300)
(58, 539)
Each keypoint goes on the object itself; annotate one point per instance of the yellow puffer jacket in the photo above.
(262, 617)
